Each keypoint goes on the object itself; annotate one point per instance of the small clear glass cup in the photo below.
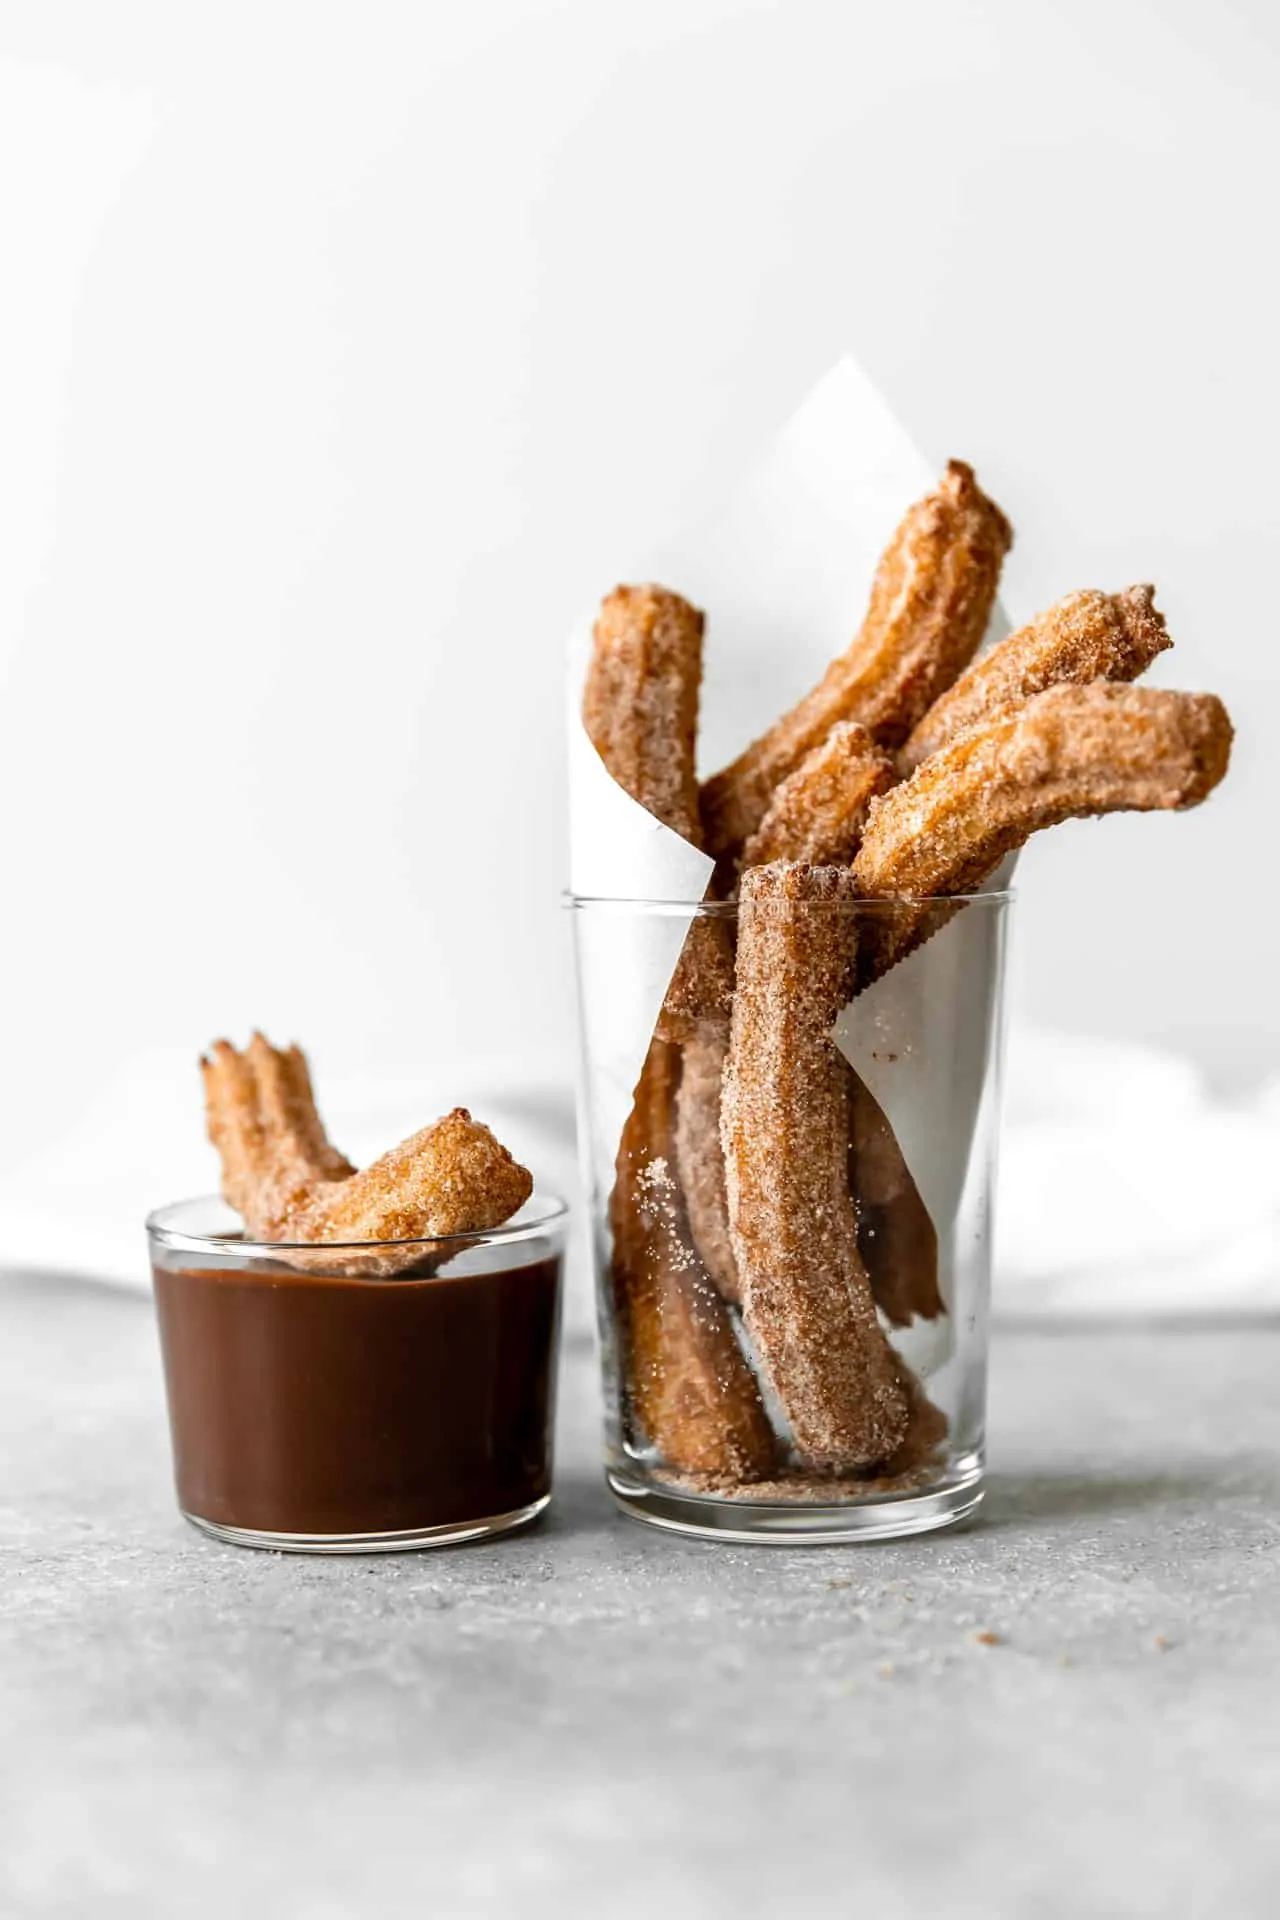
(359, 1399)
(920, 1049)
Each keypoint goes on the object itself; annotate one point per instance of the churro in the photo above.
(701, 989)
(688, 1387)
(688, 1384)
(784, 1123)
(897, 1240)
(930, 604)
(927, 1428)
(817, 815)
(640, 704)
(818, 812)
(640, 710)
(452, 1177)
(700, 1157)
(261, 1117)
(1068, 753)
(1088, 636)
(291, 1186)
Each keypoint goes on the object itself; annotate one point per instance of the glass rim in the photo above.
(550, 1210)
(722, 909)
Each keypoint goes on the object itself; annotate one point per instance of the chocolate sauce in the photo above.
(304, 1404)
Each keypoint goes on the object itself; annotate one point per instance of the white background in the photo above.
(347, 350)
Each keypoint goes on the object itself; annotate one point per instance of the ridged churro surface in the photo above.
(640, 704)
(818, 812)
(640, 709)
(261, 1117)
(700, 1157)
(452, 1177)
(1088, 636)
(1068, 753)
(785, 1128)
(688, 1386)
(701, 988)
(930, 604)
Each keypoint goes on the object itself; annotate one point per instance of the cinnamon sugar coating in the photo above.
(1068, 753)
(288, 1183)
(640, 709)
(818, 812)
(908, 1469)
(785, 1127)
(700, 1157)
(640, 704)
(817, 815)
(688, 1384)
(689, 1388)
(452, 1177)
(930, 604)
(897, 1240)
(1088, 636)
(701, 988)
(927, 1428)
(261, 1117)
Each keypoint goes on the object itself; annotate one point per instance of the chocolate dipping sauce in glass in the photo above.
(321, 1406)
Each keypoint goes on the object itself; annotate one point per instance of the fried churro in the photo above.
(897, 1240)
(640, 705)
(640, 710)
(701, 989)
(927, 1428)
(784, 1123)
(688, 1387)
(688, 1384)
(700, 1157)
(452, 1177)
(290, 1185)
(930, 604)
(1068, 753)
(817, 816)
(261, 1117)
(1088, 636)
(818, 812)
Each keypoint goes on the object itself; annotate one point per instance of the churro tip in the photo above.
(648, 595)
(960, 482)
(1213, 737)
(1143, 620)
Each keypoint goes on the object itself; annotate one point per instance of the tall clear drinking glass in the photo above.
(791, 1215)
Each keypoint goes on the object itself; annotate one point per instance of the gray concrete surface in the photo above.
(593, 1718)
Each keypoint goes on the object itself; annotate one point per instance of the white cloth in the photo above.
(1125, 1187)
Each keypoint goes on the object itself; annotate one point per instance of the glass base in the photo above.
(796, 1524)
(410, 1540)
